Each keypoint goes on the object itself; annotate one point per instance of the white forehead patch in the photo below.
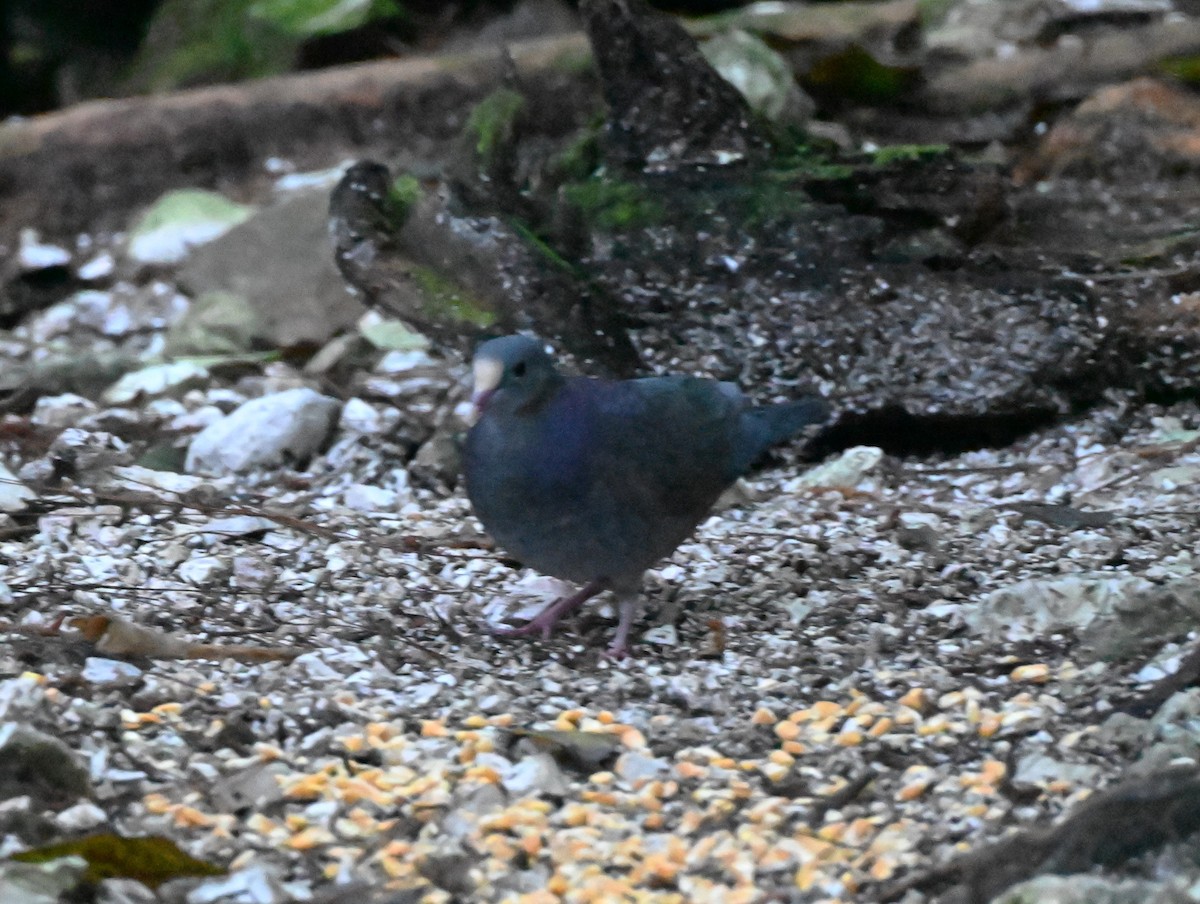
(487, 373)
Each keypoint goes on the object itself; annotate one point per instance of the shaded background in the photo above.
(54, 54)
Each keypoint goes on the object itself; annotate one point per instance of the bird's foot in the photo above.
(627, 606)
(617, 652)
(536, 625)
(546, 620)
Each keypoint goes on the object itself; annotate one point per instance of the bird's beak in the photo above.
(487, 373)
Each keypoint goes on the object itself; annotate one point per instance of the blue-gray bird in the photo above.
(594, 481)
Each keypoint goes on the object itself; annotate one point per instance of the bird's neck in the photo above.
(541, 395)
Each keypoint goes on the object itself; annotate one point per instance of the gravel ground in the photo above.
(819, 703)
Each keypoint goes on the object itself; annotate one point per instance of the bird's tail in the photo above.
(771, 424)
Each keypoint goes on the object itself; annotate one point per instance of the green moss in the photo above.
(772, 197)
(149, 859)
(897, 153)
(580, 158)
(493, 120)
(403, 194)
(610, 205)
(1184, 68)
(800, 160)
(543, 248)
(444, 300)
(819, 170)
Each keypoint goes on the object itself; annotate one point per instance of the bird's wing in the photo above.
(666, 442)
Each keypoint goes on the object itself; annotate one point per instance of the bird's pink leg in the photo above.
(545, 620)
(627, 608)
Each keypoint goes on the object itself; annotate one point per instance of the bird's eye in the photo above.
(519, 369)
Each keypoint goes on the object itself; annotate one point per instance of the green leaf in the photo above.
(310, 18)
(392, 335)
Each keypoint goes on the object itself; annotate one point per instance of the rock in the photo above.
(1114, 614)
(38, 765)
(34, 255)
(341, 357)
(14, 495)
(253, 788)
(761, 74)
(1084, 889)
(635, 767)
(279, 263)
(19, 695)
(1146, 614)
(390, 335)
(973, 29)
(157, 380)
(1169, 479)
(180, 221)
(216, 323)
(833, 25)
(450, 869)
(87, 373)
(1175, 727)
(363, 497)
(305, 181)
(662, 635)
(221, 530)
(493, 704)
(439, 458)
(919, 532)
(362, 417)
(40, 883)
(258, 884)
(124, 891)
(78, 451)
(285, 427)
(1042, 768)
(110, 672)
(117, 312)
(88, 307)
(523, 883)
(1133, 128)
(418, 397)
(405, 362)
(80, 818)
(535, 775)
(1124, 730)
(60, 411)
(252, 573)
(135, 477)
(847, 470)
(98, 268)
(204, 571)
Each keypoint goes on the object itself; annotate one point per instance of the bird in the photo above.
(594, 481)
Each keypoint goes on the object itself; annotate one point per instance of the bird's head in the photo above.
(514, 368)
